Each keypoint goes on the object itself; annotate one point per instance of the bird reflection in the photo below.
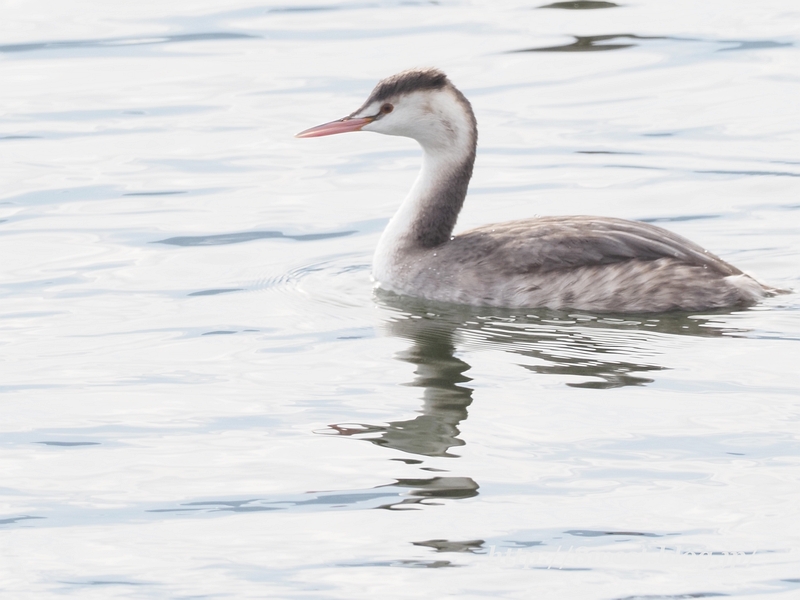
(445, 401)
(587, 351)
(427, 491)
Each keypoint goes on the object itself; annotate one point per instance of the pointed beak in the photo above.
(341, 126)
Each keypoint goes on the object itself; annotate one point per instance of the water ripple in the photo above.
(125, 41)
(247, 236)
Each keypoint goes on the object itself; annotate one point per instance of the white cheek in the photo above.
(389, 125)
(435, 121)
(376, 126)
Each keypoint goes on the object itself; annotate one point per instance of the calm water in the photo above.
(203, 398)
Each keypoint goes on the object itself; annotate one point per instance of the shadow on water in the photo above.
(591, 351)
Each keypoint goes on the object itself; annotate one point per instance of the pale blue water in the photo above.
(201, 396)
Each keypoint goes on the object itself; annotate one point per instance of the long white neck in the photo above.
(428, 214)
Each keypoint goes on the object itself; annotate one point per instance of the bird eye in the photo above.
(386, 109)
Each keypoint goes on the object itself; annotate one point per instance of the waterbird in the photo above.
(582, 262)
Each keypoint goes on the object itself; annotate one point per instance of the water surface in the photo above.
(202, 396)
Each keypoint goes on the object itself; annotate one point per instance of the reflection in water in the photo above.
(127, 41)
(435, 430)
(620, 378)
(581, 5)
(595, 533)
(592, 43)
(439, 373)
(247, 236)
(594, 351)
(596, 43)
(602, 351)
(754, 45)
(452, 546)
(391, 496)
(426, 491)
(598, 351)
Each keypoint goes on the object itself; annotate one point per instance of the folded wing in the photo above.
(558, 243)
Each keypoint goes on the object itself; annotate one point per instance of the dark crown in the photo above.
(412, 80)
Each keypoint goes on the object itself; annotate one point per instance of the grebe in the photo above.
(579, 262)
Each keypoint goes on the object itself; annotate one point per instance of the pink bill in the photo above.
(340, 126)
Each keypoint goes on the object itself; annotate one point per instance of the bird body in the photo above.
(579, 262)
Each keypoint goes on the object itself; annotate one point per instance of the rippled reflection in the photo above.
(440, 374)
(596, 351)
(581, 5)
(401, 494)
(595, 43)
(620, 41)
(427, 491)
(126, 41)
(247, 236)
(603, 351)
